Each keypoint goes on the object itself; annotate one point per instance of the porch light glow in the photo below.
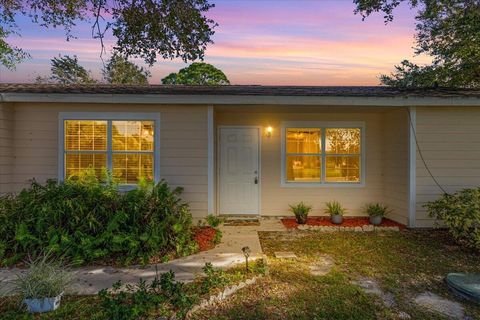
(268, 131)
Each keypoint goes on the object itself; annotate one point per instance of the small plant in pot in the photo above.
(336, 211)
(376, 211)
(301, 212)
(41, 286)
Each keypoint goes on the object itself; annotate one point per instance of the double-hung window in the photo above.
(124, 144)
(316, 153)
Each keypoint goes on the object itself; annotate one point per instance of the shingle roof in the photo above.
(236, 90)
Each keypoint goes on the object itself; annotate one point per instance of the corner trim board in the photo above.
(412, 167)
(211, 160)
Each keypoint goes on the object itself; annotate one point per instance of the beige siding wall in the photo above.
(275, 199)
(450, 142)
(395, 130)
(6, 147)
(183, 145)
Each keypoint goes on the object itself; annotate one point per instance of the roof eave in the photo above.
(240, 99)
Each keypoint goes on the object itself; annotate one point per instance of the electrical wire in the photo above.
(414, 131)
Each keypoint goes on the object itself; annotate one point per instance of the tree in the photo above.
(447, 30)
(66, 70)
(119, 70)
(198, 73)
(143, 28)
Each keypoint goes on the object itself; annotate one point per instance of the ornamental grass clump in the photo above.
(44, 278)
(460, 213)
(301, 212)
(88, 219)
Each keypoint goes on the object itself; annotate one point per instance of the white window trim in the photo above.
(62, 116)
(322, 125)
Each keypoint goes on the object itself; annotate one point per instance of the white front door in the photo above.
(239, 171)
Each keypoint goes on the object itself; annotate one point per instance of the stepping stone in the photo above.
(285, 255)
(433, 302)
(370, 286)
(322, 266)
(466, 285)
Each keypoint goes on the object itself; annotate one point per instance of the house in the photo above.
(250, 150)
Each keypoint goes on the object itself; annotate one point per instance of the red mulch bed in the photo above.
(291, 223)
(204, 237)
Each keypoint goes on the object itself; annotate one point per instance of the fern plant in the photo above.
(376, 210)
(301, 212)
(334, 208)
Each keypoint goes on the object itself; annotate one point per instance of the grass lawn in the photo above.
(403, 263)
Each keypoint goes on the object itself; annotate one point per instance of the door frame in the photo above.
(217, 170)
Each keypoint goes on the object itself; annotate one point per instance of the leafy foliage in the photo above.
(460, 212)
(214, 278)
(213, 221)
(334, 208)
(448, 31)
(376, 209)
(143, 28)
(44, 278)
(85, 220)
(10, 55)
(301, 212)
(164, 296)
(119, 70)
(260, 266)
(198, 73)
(218, 236)
(66, 70)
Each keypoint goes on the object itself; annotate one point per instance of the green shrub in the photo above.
(44, 278)
(213, 221)
(301, 212)
(218, 236)
(214, 278)
(85, 220)
(334, 208)
(164, 297)
(460, 212)
(376, 209)
(260, 266)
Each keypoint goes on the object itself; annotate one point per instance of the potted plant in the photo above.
(42, 285)
(376, 211)
(301, 212)
(336, 211)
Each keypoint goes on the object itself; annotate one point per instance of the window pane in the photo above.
(303, 168)
(75, 164)
(132, 135)
(130, 168)
(343, 169)
(304, 140)
(85, 135)
(343, 141)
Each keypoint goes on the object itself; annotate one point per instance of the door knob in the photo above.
(256, 180)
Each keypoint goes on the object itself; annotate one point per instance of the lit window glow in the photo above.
(319, 155)
(128, 151)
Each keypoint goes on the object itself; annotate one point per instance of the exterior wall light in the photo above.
(268, 131)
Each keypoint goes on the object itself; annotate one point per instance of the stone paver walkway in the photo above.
(90, 280)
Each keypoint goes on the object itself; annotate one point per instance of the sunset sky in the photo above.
(281, 42)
